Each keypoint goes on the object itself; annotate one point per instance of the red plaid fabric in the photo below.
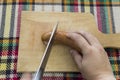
(106, 12)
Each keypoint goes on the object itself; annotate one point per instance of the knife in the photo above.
(43, 62)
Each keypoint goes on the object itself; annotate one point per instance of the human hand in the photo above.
(94, 63)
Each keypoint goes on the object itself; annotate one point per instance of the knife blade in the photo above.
(43, 62)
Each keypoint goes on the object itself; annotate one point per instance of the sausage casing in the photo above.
(60, 38)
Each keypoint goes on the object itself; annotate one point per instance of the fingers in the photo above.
(77, 57)
(79, 40)
(89, 37)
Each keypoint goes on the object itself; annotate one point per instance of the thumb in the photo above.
(77, 58)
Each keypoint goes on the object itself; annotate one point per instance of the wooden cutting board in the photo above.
(31, 48)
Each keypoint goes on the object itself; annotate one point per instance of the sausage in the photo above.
(60, 38)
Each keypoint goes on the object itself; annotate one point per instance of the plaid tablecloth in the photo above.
(106, 12)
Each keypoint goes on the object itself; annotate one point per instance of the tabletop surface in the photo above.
(106, 13)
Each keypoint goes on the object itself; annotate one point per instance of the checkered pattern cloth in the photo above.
(106, 13)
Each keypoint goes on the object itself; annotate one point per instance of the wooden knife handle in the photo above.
(61, 38)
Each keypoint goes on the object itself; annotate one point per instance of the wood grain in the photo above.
(31, 48)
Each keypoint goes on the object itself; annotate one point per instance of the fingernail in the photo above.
(68, 34)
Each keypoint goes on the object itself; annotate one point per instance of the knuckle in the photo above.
(99, 47)
(89, 50)
(84, 45)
